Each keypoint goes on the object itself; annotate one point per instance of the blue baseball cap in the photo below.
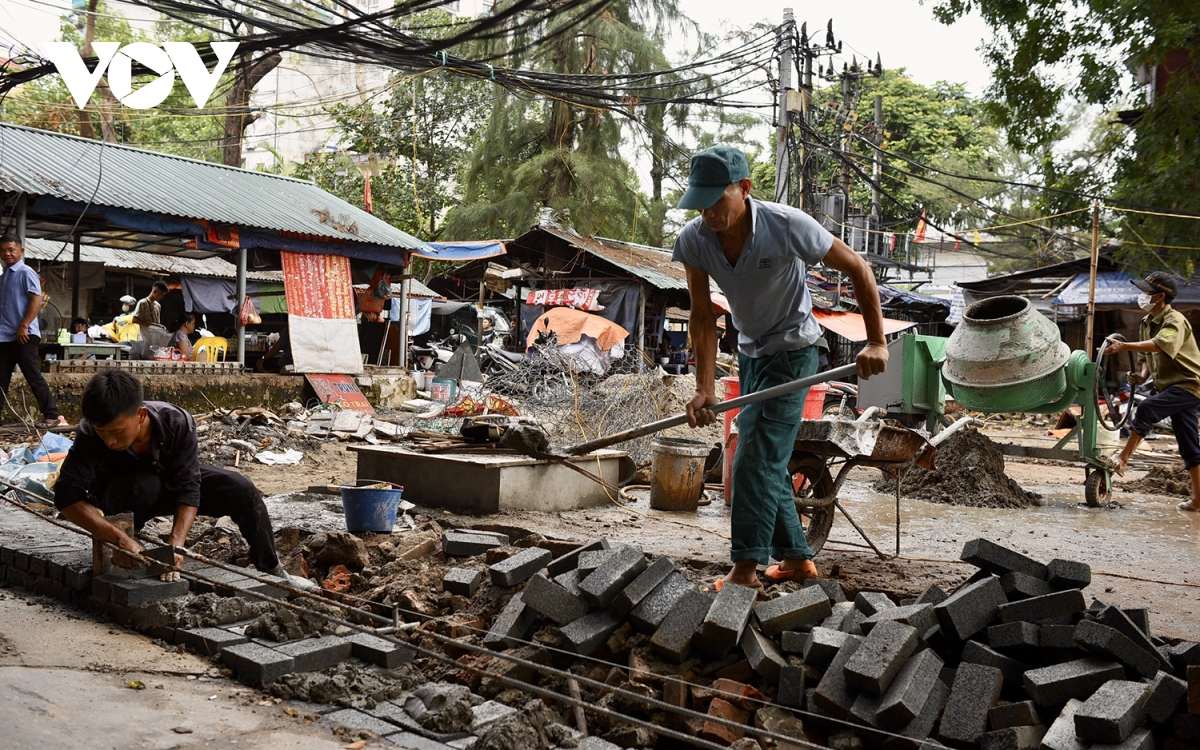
(713, 170)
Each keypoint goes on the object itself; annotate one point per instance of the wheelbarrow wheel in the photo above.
(811, 479)
(1095, 490)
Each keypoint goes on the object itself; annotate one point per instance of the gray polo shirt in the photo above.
(767, 292)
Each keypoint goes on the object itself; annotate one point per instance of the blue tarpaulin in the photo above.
(1114, 290)
(464, 251)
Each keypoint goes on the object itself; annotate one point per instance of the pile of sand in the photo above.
(1162, 480)
(969, 470)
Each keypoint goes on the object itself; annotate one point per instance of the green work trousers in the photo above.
(764, 520)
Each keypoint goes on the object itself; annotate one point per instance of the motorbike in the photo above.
(496, 361)
(425, 357)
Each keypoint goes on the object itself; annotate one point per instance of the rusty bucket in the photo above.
(676, 473)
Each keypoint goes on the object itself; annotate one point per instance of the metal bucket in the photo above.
(676, 473)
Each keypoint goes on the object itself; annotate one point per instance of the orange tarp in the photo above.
(571, 324)
(851, 326)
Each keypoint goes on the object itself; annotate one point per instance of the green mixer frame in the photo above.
(923, 391)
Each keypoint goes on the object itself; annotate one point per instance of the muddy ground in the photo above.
(1146, 537)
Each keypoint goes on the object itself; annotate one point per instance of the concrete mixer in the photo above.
(1006, 357)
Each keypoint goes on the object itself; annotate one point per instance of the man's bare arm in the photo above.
(702, 324)
(873, 359)
(88, 517)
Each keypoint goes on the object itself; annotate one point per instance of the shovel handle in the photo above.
(736, 403)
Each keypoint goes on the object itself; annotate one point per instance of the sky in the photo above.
(903, 32)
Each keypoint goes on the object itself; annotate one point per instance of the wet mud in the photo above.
(1161, 480)
(969, 470)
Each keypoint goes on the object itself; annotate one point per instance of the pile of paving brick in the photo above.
(1013, 658)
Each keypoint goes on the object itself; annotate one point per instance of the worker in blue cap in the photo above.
(758, 253)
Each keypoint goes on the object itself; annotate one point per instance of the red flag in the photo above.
(920, 236)
(956, 242)
(367, 202)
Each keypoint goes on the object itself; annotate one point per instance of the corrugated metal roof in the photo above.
(131, 260)
(40, 162)
(651, 264)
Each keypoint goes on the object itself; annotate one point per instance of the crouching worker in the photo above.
(140, 456)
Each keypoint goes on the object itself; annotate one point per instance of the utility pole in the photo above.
(782, 164)
(847, 126)
(1091, 316)
(806, 92)
(877, 172)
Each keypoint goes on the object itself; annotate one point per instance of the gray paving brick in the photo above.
(1139, 739)
(554, 602)
(907, 693)
(727, 618)
(1059, 683)
(1056, 604)
(933, 594)
(970, 609)
(998, 560)
(838, 617)
(412, 741)
(592, 559)
(208, 641)
(257, 664)
(794, 641)
(130, 592)
(463, 544)
(823, 645)
(570, 560)
(379, 651)
(641, 586)
(1118, 620)
(313, 654)
(1013, 738)
(1139, 616)
(882, 654)
(1057, 636)
(603, 584)
(352, 718)
(1015, 635)
(833, 694)
(1112, 712)
(520, 567)
(462, 581)
(920, 616)
(651, 610)
(792, 683)
(832, 588)
(1061, 734)
(1020, 586)
(870, 602)
(588, 633)
(808, 606)
(1166, 693)
(511, 626)
(569, 581)
(1020, 714)
(864, 709)
(1184, 655)
(922, 724)
(976, 653)
(673, 639)
(1068, 574)
(975, 691)
(1101, 639)
(764, 656)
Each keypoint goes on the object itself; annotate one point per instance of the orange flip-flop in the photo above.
(808, 569)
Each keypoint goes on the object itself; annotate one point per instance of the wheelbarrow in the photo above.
(827, 450)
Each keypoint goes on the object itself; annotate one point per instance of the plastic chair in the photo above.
(211, 344)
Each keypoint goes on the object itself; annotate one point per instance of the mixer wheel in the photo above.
(811, 478)
(1095, 490)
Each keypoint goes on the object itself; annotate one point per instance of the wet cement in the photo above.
(969, 470)
(347, 684)
(285, 625)
(207, 610)
(1162, 480)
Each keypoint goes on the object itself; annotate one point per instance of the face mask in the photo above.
(1145, 301)
(124, 308)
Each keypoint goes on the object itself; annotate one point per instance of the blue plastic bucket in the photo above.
(371, 508)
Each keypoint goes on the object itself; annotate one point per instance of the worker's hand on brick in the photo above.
(872, 360)
(698, 413)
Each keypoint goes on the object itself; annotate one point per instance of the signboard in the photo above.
(341, 390)
(321, 324)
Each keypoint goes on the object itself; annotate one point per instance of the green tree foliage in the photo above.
(176, 126)
(536, 153)
(939, 126)
(1047, 55)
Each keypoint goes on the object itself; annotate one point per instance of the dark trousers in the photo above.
(1182, 407)
(222, 493)
(14, 354)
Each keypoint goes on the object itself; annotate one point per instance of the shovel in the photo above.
(534, 442)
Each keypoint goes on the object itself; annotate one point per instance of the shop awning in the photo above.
(463, 251)
(851, 326)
